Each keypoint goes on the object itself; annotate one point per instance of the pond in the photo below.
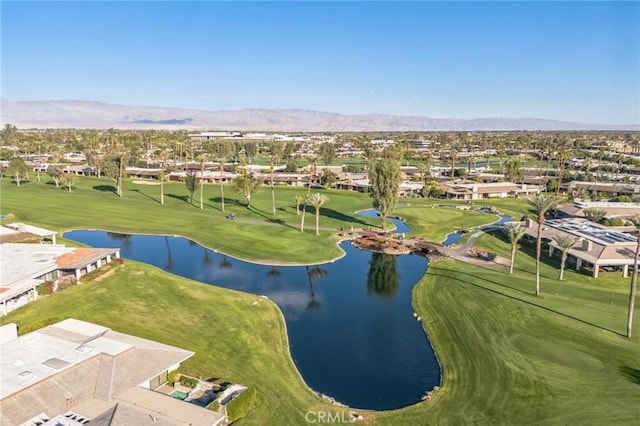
(350, 323)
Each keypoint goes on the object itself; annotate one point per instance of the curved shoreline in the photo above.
(257, 262)
(339, 241)
(324, 397)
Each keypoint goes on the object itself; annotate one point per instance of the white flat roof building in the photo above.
(598, 246)
(94, 372)
(24, 266)
(30, 229)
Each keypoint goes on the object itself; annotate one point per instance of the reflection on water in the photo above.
(382, 278)
(351, 330)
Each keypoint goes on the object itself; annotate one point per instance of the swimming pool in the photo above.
(178, 395)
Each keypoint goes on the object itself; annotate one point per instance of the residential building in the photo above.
(24, 266)
(477, 191)
(598, 246)
(612, 209)
(75, 372)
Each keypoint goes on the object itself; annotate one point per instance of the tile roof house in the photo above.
(23, 267)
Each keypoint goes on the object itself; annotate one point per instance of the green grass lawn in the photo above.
(256, 235)
(508, 356)
(511, 358)
(435, 223)
(233, 339)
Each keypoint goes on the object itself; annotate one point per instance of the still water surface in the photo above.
(350, 323)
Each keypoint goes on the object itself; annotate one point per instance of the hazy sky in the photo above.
(577, 61)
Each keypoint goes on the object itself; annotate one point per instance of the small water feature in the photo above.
(352, 333)
(400, 226)
(455, 237)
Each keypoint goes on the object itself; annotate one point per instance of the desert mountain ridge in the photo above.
(99, 115)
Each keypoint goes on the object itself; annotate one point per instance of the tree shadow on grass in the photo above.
(432, 270)
(228, 202)
(106, 188)
(631, 374)
(336, 215)
(491, 281)
(544, 258)
(184, 198)
(145, 194)
(270, 219)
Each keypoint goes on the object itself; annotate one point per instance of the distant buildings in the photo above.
(479, 191)
(611, 209)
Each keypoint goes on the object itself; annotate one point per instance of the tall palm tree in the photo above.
(513, 231)
(202, 158)
(565, 242)
(272, 159)
(634, 276)
(313, 162)
(541, 203)
(317, 200)
(162, 176)
(454, 157)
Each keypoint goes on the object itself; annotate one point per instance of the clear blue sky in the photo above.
(577, 61)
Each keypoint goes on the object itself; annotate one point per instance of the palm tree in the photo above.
(272, 159)
(191, 182)
(542, 203)
(222, 150)
(454, 157)
(634, 276)
(202, 158)
(276, 152)
(162, 176)
(513, 231)
(317, 200)
(565, 242)
(313, 161)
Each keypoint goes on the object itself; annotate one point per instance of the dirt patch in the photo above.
(137, 272)
(105, 275)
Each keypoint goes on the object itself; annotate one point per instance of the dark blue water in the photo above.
(350, 324)
(400, 227)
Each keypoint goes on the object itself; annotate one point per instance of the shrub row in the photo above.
(189, 382)
(102, 270)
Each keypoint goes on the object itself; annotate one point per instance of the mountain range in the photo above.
(98, 115)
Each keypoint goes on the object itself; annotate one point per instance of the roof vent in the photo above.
(56, 363)
(84, 349)
(25, 374)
